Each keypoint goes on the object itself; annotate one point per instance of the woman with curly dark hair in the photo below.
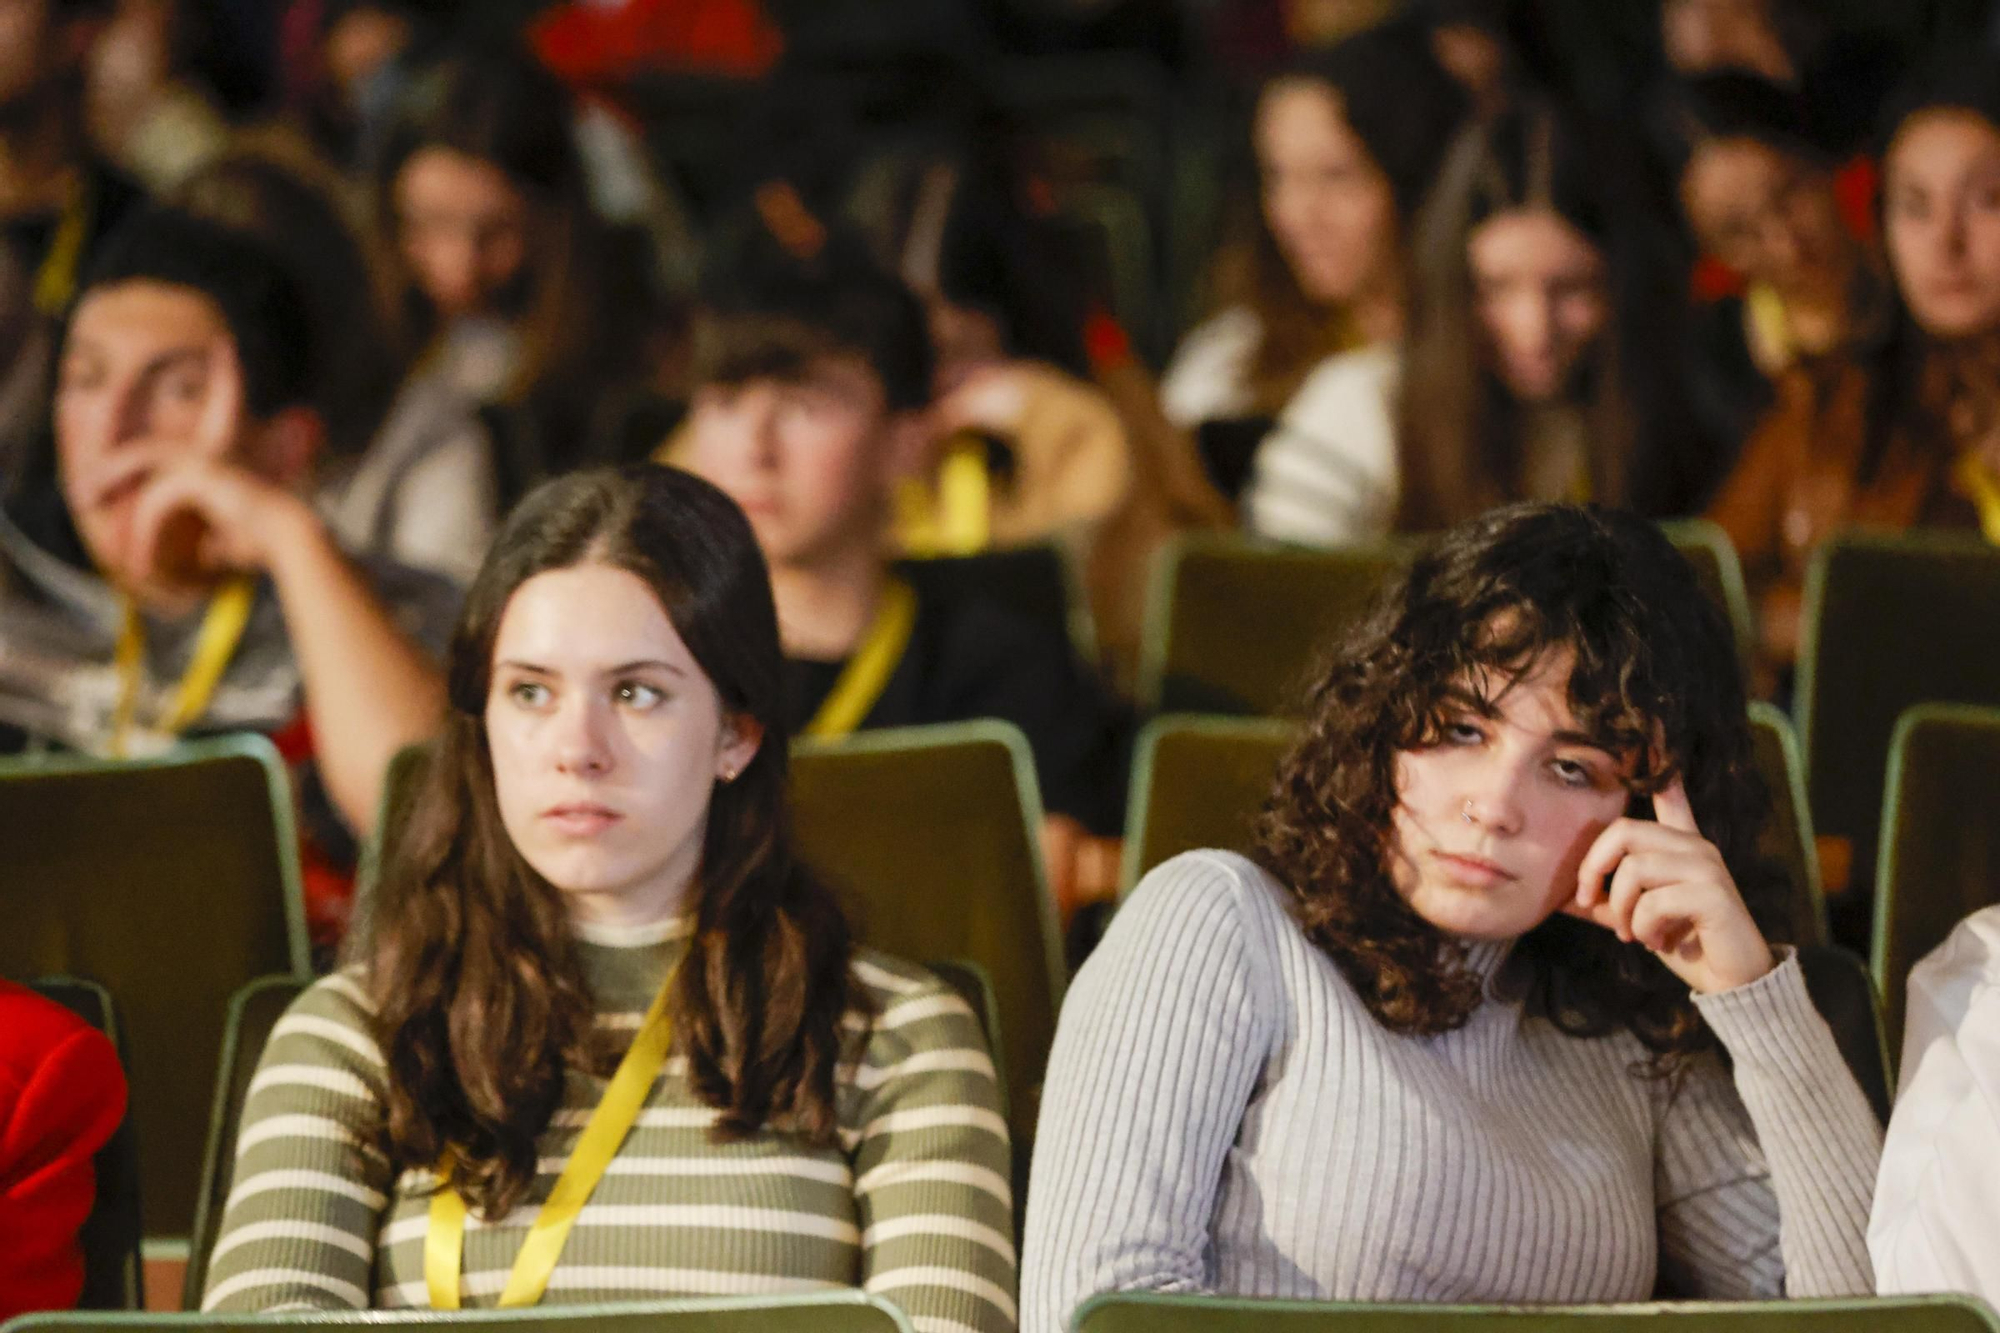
(600, 988)
(1490, 1015)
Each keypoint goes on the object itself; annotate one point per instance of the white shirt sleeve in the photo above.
(1209, 376)
(1328, 475)
(1936, 1219)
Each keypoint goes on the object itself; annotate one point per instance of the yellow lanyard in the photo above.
(624, 1097)
(55, 281)
(955, 517)
(1984, 489)
(221, 631)
(867, 673)
(1771, 346)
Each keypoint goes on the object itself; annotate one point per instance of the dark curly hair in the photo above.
(1654, 681)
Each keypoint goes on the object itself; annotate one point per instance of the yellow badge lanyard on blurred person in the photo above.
(867, 673)
(954, 515)
(215, 644)
(624, 1097)
(1984, 489)
(55, 280)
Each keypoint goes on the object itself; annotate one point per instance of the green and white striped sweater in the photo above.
(913, 1205)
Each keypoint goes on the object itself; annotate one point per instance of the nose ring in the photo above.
(1466, 814)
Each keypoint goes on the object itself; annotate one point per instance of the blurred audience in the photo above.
(1905, 431)
(1030, 451)
(144, 111)
(1841, 73)
(1764, 202)
(1347, 143)
(422, 492)
(178, 581)
(59, 199)
(503, 272)
(1533, 369)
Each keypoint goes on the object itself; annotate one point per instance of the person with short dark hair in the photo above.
(176, 580)
(59, 201)
(598, 884)
(1489, 1016)
(815, 385)
(1765, 203)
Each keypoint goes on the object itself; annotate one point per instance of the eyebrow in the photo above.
(642, 664)
(1488, 709)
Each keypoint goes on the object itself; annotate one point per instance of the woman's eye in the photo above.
(637, 694)
(528, 693)
(1574, 774)
(1462, 733)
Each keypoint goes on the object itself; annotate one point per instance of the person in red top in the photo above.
(61, 1096)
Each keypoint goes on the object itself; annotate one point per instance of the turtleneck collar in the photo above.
(1485, 958)
(615, 936)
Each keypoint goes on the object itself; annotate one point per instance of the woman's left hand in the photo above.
(1670, 890)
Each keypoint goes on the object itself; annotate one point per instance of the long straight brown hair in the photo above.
(1459, 432)
(1403, 106)
(481, 1006)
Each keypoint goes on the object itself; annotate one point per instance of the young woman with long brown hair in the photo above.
(1489, 1015)
(1537, 365)
(1347, 141)
(599, 849)
(1540, 362)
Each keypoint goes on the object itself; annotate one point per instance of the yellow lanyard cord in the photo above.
(221, 631)
(55, 281)
(954, 516)
(624, 1097)
(1984, 489)
(867, 673)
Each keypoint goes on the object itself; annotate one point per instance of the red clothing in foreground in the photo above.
(61, 1096)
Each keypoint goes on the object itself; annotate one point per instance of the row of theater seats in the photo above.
(855, 1312)
(173, 880)
(928, 832)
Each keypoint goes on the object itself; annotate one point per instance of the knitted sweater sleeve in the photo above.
(1764, 1180)
(1160, 1045)
(931, 1160)
(310, 1187)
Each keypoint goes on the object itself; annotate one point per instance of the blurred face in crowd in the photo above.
(1329, 207)
(1539, 287)
(1493, 820)
(462, 227)
(36, 43)
(607, 739)
(1705, 36)
(1767, 214)
(1941, 208)
(810, 460)
(965, 341)
(1476, 57)
(134, 388)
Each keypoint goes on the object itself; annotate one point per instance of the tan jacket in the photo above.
(1798, 482)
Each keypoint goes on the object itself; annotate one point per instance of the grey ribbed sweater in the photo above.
(1223, 1114)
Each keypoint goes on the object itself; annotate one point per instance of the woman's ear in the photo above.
(742, 736)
